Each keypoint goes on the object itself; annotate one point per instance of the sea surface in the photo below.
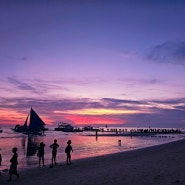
(85, 144)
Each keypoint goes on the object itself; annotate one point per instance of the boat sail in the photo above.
(25, 126)
(32, 124)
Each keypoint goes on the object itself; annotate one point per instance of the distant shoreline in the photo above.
(133, 134)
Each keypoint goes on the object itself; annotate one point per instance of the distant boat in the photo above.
(66, 127)
(32, 125)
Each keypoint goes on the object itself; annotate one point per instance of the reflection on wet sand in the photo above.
(30, 145)
(33, 144)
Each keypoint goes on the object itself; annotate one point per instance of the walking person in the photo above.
(54, 147)
(68, 151)
(14, 163)
(41, 153)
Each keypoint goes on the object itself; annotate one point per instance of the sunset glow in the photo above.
(11, 116)
(77, 62)
(93, 120)
(102, 112)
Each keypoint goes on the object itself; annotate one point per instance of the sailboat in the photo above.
(32, 125)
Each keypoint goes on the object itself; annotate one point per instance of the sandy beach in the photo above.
(162, 164)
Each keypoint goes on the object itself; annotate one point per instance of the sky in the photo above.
(90, 62)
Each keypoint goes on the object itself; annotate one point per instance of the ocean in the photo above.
(85, 144)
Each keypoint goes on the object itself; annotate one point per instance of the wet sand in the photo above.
(162, 164)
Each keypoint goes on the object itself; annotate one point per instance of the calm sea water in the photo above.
(83, 145)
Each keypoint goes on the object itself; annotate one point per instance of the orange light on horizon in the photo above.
(82, 119)
(12, 117)
(99, 112)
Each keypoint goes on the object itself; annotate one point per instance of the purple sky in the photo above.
(93, 61)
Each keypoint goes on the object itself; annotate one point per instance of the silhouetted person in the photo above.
(68, 151)
(96, 133)
(41, 153)
(0, 159)
(54, 147)
(14, 163)
(119, 142)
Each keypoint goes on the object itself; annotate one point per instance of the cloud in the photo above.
(132, 112)
(168, 52)
(134, 81)
(119, 103)
(127, 54)
(24, 58)
(65, 104)
(54, 87)
(12, 58)
(170, 101)
(21, 85)
(35, 86)
(154, 113)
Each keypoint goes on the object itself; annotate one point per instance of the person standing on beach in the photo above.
(54, 147)
(0, 161)
(14, 163)
(41, 153)
(68, 151)
(0, 158)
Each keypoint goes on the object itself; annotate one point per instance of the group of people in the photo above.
(54, 147)
(40, 154)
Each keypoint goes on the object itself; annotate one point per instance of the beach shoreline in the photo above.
(160, 164)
